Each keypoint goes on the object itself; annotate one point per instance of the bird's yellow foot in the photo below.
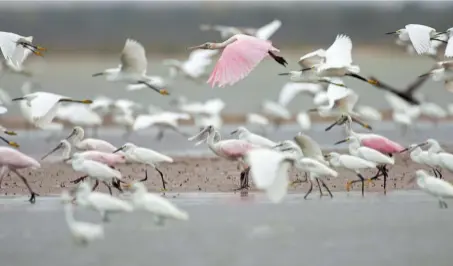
(163, 190)
(348, 186)
(369, 181)
(163, 92)
(373, 82)
(38, 53)
(13, 144)
(87, 101)
(40, 48)
(11, 133)
(367, 126)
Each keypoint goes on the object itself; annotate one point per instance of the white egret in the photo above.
(428, 157)
(257, 119)
(442, 71)
(44, 106)
(435, 187)
(291, 89)
(194, 68)
(163, 121)
(12, 43)
(15, 62)
(244, 134)
(419, 35)
(145, 156)
(303, 120)
(132, 69)
(103, 203)
(160, 207)
(351, 163)
(82, 232)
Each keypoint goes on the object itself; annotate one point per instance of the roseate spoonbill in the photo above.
(95, 170)
(244, 134)
(82, 232)
(240, 56)
(163, 121)
(336, 61)
(371, 155)
(161, 208)
(13, 160)
(419, 35)
(264, 33)
(132, 69)
(230, 149)
(11, 44)
(259, 120)
(442, 71)
(44, 106)
(435, 187)
(103, 203)
(351, 163)
(145, 156)
(76, 138)
(407, 94)
(194, 68)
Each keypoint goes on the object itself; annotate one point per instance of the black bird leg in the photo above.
(146, 177)
(309, 190)
(277, 58)
(96, 184)
(319, 186)
(32, 193)
(76, 181)
(162, 178)
(327, 188)
(108, 186)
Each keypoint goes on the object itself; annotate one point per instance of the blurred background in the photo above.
(86, 37)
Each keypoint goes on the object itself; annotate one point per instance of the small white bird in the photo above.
(244, 134)
(15, 63)
(132, 69)
(12, 43)
(442, 71)
(419, 35)
(103, 203)
(435, 187)
(44, 106)
(160, 207)
(194, 68)
(291, 89)
(163, 121)
(304, 121)
(82, 232)
(259, 120)
(145, 156)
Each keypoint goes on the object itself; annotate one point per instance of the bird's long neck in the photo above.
(353, 148)
(224, 44)
(66, 151)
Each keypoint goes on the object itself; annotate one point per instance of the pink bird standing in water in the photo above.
(376, 142)
(230, 149)
(241, 54)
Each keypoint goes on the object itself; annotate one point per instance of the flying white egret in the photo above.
(244, 134)
(82, 232)
(194, 68)
(44, 106)
(15, 63)
(80, 115)
(419, 35)
(145, 156)
(291, 89)
(154, 81)
(264, 33)
(275, 111)
(163, 121)
(132, 69)
(435, 187)
(101, 105)
(336, 61)
(12, 43)
(259, 120)
(368, 113)
(103, 203)
(161, 208)
(442, 71)
(351, 163)
(445, 37)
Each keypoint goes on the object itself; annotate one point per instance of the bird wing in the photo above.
(264, 165)
(291, 89)
(373, 155)
(382, 144)
(303, 119)
(266, 31)
(420, 37)
(97, 169)
(21, 53)
(353, 162)
(198, 60)
(346, 104)
(339, 53)
(261, 141)
(275, 109)
(438, 186)
(449, 48)
(235, 147)
(313, 58)
(133, 58)
(150, 156)
(8, 43)
(98, 145)
(316, 167)
(161, 206)
(43, 103)
(238, 59)
(309, 147)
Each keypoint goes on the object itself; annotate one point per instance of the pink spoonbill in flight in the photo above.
(241, 54)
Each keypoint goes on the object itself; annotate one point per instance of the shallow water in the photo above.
(402, 228)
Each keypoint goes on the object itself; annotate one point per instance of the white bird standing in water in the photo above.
(132, 69)
(435, 187)
(103, 203)
(145, 156)
(161, 208)
(82, 232)
(244, 134)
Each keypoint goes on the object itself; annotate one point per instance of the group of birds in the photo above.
(265, 160)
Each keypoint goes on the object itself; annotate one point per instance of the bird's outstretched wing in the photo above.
(133, 58)
(8, 43)
(291, 89)
(266, 31)
(313, 58)
(420, 37)
(339, 53)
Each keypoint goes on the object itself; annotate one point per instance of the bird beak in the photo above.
(361, 123)
(434, 39)
(421, 76)
(195, 47)
(306, 69)
(408, 148)
(119, 149)
(67, 159)
(234, 132)
(278, 145)
(18, 99)
(312, 110)
(388, 33)
(284, 74)
(326, 156)
(52, 151)
(11, 133)
(70, 135)
(10, 143)
(97, 74)
(373, 81)
(341, 141)
(440, 33)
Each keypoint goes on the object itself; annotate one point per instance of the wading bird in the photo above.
(419, 35)
(132, 69)
(435, 187)
(241, 54)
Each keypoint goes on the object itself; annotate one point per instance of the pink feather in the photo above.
(106, 158)
(238, 59)
(235, 148)
(15, 159)
(382, 144)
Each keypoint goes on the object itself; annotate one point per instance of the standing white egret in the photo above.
(244, 134)
(132, 69)
(44, 106)
(435, 187)
(82, 232)
(419, 35)
(145, 156)
(351, 163)
(160, 207)
(103, 203)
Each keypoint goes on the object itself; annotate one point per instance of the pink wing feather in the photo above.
(238, 59)
(235, 148)
(382, 144)
(16, 159)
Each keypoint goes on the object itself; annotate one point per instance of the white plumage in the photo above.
(435, 187)
(245, 134)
